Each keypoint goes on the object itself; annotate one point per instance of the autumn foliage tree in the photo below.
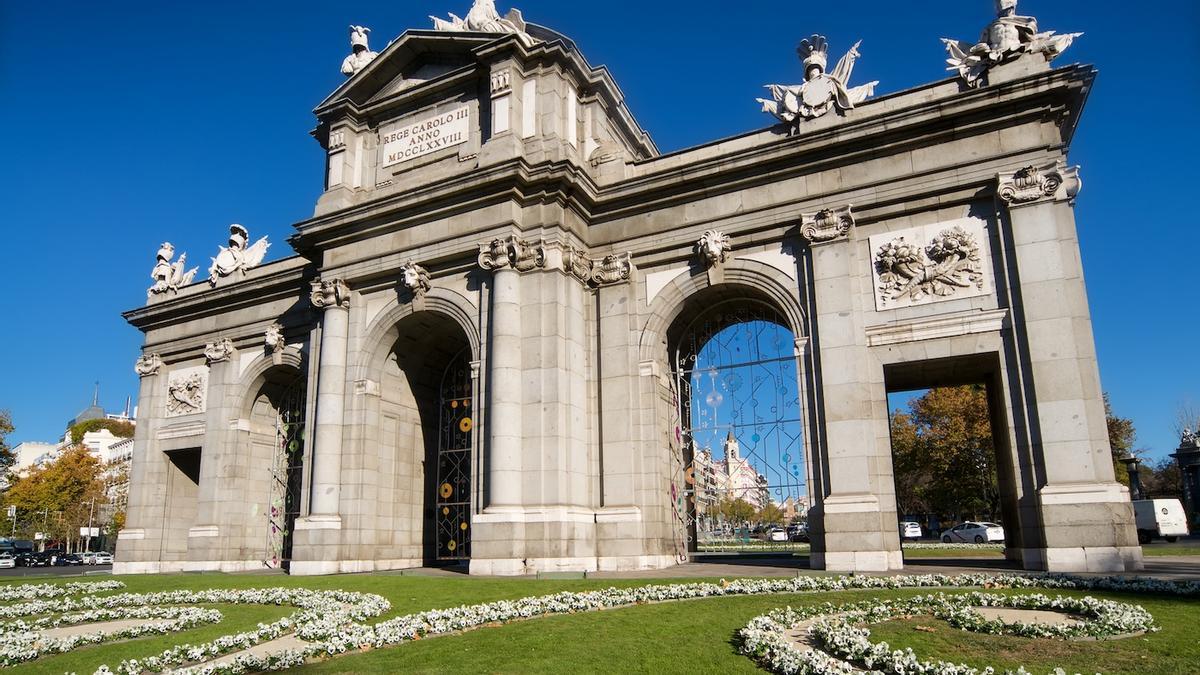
(6, 428)
(57, 498)
(943, 456)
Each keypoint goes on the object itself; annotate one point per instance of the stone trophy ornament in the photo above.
(185, 392)
(951, 261)
(821, 91)
(238, 258)
(483, 18)
(1006, 39)
(361, 53)
(169, 277)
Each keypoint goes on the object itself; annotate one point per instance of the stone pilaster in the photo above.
(142, 537)
(316, 539)
(857, 516)
(1086, 517)
(206, 542)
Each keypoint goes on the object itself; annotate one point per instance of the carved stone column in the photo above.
(855, 519)
(1086, 521)
(505, 259)
(332, 296)
(141, 540)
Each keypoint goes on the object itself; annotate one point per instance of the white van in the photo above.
(1159, 518)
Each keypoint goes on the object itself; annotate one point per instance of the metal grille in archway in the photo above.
(452, 501)
(739, 441)
(287, 479)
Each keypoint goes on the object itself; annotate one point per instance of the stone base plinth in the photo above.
(854, 538)
(1088, 527)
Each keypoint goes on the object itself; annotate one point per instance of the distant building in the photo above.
(736, 478)
(32, 453)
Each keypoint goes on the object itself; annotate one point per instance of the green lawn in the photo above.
(693, 636)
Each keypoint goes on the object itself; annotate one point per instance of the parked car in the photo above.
(777, 534)
(972, 532)
(7, 561)
(103, 558)
(67, 560)
(30, 559)
(910, 530)
(1159, 518)
(88, 558)
(798, 532)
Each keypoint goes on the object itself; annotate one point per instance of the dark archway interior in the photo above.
(274, 463)
(427, 347)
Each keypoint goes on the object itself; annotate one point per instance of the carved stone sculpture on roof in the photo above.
(1006, 38)
(169, 277)
(238, 258)
(1188, 439)
(361, 53)
(821, 91)
(483, 18)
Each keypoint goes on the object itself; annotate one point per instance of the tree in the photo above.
(771, 515)
(1162, 478)
(6, 456)
(736, 510)
(1121, 436)
(118, 428)
(59, 496)
(943, 456)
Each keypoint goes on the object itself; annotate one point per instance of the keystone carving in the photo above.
(512, 252)
(274, 339)
(416, 279)
(148, 365)
(1033, 183)
(219, 351)
(613, 269)
(826, 225)
(714, 248)
(331, 293)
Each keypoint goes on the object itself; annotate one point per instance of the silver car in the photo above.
(973, 533)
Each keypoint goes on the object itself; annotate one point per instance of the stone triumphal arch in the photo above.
(514, 335)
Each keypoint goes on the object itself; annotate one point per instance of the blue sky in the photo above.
(130, 123)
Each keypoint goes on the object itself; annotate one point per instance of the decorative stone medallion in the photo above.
(187, 391)
(921, 265)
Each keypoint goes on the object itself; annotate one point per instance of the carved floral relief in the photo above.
(929, 264)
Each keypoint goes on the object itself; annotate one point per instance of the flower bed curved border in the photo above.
(333, 621)
(840, 633)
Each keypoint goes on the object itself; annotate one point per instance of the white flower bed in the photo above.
(844, 642)
(333, 622)
(942, 546)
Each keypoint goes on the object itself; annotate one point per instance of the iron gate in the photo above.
(287, 478)
(452, 501)
(738, 451)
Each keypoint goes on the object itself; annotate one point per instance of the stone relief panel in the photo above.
(922, 265)
(187, 391)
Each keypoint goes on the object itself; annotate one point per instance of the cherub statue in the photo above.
(362, 54)
(237, 258)
(1006, 38)
(821, 91)
(170, 277)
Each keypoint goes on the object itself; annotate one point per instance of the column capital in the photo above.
(330, 293)
(613, 269)
(827, 225)
(1032, 184)
(220, 351)
(148, 365)
(512, 253)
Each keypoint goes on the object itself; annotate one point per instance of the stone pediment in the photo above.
(412, 59)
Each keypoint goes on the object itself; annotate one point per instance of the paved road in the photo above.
(76, 570)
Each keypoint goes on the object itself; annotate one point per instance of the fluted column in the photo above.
(333, 296)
